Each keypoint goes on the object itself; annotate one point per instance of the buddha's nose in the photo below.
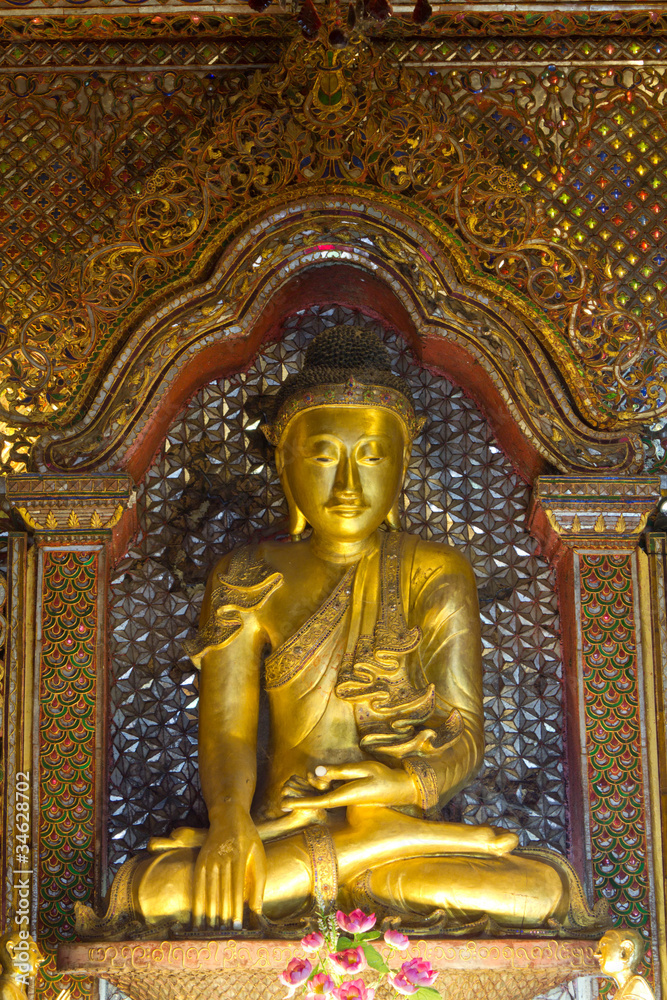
(347, 482)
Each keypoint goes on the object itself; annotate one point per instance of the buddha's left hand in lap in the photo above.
(366, 782)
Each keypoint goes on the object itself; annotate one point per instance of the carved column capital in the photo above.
(579, 512)
(79, 505)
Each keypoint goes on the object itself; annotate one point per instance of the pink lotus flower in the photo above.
(418, 972)
(349, 961)
(296, 972)
(355, 989)
(312, 942)
(356, 922)
(396, 940)
(319, 986)
(401, 985)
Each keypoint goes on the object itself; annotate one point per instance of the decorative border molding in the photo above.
(69, 504)
(474, 18)
(231, 955)
(592, 513)
(450, 303)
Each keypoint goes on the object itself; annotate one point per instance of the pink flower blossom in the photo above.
(312, 942)
(396, 940)
(355, 989)
(349, 961)
(297, 970)
(418, 972)
(356, 922)
(319, 986)
(401, 985)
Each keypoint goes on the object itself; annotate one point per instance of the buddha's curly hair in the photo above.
(337, 354)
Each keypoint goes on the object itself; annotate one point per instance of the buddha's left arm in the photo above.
(444, 605)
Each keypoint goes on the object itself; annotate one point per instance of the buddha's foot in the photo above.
(490, 839)
(394, 832)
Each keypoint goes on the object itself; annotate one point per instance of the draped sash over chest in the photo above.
(300, 676)
(351, 659)
(353, 650)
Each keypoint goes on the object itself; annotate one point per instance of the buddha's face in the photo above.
(344, 467)
(615, 953)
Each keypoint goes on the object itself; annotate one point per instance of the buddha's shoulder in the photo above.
(244, 566)
(438, 557)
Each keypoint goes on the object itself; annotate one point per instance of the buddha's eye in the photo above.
(371, 453)
(321, 451)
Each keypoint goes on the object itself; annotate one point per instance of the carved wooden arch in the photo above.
(356, 250)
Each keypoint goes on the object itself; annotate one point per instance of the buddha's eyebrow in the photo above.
(323, 438)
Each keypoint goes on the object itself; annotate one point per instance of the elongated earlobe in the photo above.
(393, 518)
(297, 521)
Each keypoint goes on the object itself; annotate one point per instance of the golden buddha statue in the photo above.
(619, 953)
(366, 641)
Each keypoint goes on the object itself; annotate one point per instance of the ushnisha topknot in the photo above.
(343, 365)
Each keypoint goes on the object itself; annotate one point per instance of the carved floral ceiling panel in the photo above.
(212, 488)
(579, 122)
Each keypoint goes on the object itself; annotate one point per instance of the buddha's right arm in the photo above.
(228, 715)
(231, 866)
(228, 651)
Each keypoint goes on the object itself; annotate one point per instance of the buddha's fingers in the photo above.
(323, 776)
(199, 895)
(256, 900)
(239, 872)
(361, 792)
(223, 912)
(213, 892)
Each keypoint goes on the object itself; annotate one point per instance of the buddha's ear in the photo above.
(297, 519)
(393, 518)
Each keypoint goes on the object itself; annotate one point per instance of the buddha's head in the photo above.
(620, 951)
(19, 954)
(343, 432)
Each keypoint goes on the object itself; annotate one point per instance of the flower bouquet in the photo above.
(341, 950)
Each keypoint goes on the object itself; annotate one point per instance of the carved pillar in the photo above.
(591, 530)
(55, 727)
(656, 547)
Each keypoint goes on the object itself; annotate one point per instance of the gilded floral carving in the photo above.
(317, 120)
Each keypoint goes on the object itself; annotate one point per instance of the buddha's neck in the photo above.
(336, 551)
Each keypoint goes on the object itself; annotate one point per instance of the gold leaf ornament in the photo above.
(29, 519)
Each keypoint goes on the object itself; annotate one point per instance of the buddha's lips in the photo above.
(347, 509)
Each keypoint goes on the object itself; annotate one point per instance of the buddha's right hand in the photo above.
(230, 871)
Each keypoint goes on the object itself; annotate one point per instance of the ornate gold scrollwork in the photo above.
(442, 306)
(320, 119)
